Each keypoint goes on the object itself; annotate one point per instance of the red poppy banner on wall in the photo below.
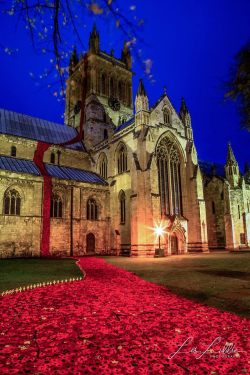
(47, 180)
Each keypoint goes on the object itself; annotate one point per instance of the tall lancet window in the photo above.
(122, 160)
(56, 206)
(166, 116)
(103, 166)
(112, 87)
(169, 177)
(121, 90)
(12, 203)
(92, 209)
(103, 84)
(122, 199)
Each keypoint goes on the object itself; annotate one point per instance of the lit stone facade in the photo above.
(132, 171)
(227, 199)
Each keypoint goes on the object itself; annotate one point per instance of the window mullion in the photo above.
(179, 187)
(163, 184)
(159, 183)
(177, 205)
(166, 182)
(174, 187)
(170, 188)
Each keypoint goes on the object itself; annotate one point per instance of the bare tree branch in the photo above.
(48, 21)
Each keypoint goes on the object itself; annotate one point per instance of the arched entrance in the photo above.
(174, 244)
(90, 244)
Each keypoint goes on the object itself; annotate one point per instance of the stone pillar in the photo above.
(142, 234)
(142, 237)
(203, 228)
(231, 243)
(168, 245)
(246, 222)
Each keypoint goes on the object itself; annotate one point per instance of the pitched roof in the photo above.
(64, 173)
(124, 125)
(18, 165)
(212, 169)
(158, 101)
(24, 126)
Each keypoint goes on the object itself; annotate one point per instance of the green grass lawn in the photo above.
(221, 280)
(20, 272)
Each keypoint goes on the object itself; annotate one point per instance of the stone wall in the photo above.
(214, 197)
(140, 184)
(25, 149)
(20, 235)
(227, 214)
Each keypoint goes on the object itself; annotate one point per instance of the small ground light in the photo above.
(159, 231)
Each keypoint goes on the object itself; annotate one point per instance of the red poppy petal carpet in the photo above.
(113, 322)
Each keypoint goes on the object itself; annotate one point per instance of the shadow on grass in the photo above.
(226, 304)
(216, 280)
(228, 273)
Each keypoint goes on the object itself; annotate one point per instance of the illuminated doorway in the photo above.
(90, 244)
(174, 244)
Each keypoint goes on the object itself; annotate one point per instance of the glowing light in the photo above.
(159, 230)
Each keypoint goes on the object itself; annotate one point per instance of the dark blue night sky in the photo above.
(191, 44)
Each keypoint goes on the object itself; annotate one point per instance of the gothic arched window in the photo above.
(105, 117)
(103, 166)
(166, 116)
(103, 84)
(105, 134)
(111, 87)
(121, 90)
(169, 177)
(122, 200)
(129, 94)
(12, 203)
(122, 159)
(92, 209)
(13, 151)
(52, 158)
(56, 206)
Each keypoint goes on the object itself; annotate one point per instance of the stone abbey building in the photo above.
(132, 170)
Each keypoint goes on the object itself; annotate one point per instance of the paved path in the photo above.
(113, 322)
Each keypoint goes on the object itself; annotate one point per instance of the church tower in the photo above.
(74, 60)
(126, 56)
(108, 87)
(141, 106)
(94, 41)
(232, 168)
(186, 119)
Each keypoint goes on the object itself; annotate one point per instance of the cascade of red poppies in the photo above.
(114, 322)
(47, 180)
